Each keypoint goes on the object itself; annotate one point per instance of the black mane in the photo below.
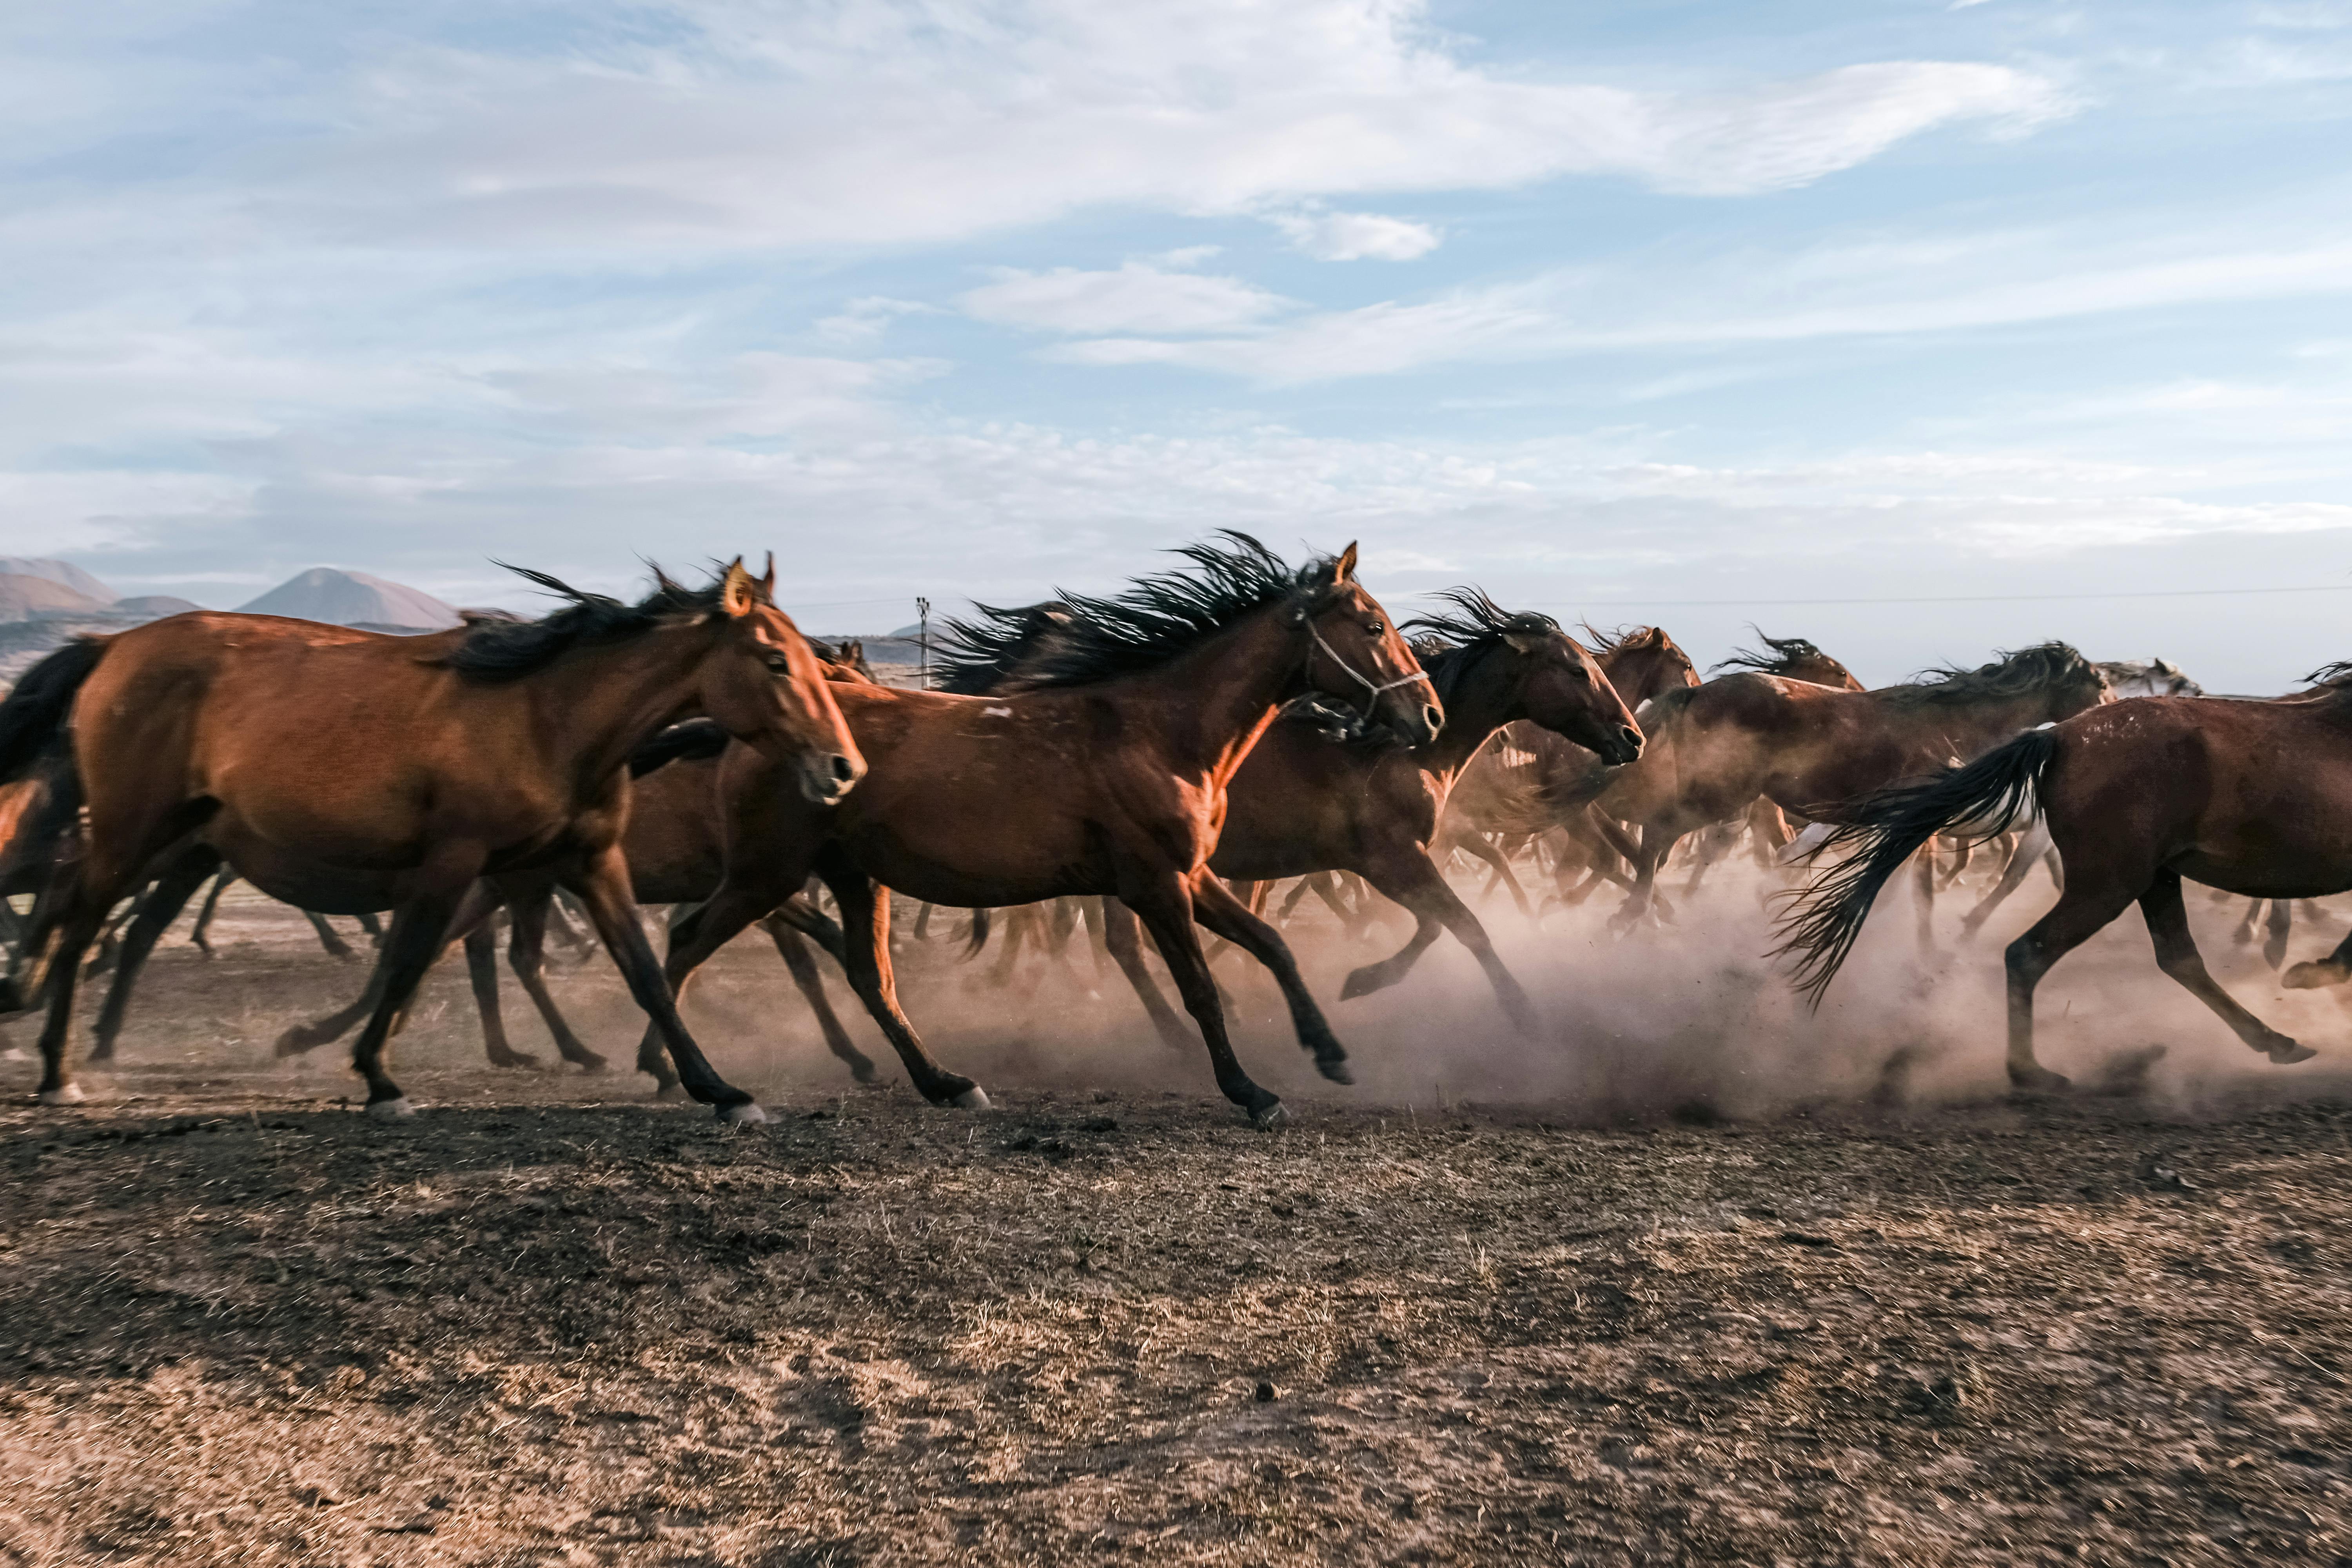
(506, 649)
(1786, 653)
(2013, 674)
(1453, 641)
(1152, 621)
(980, 656)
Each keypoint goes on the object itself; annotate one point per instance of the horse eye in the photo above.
(1376, 628)
(779, 663)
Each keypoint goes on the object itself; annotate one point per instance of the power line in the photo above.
(1944, 599)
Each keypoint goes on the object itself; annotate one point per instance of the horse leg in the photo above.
(2176, 955)
(1163, 900)
(1215, 907)
(482, 972)
(2030, 848)
(1299, 890)
(335, 945)
(1962, 853)
(1120, 928)
(2314, 973)
(866, 923)
(793, 950)
(527, 913)
(1923, 883)
(1501, 862)
(300, 1038)
(1657, 842)
(923, 921)
(1413, 882)
(803, 916)
(420, 931)
(603, 885)
(373, 927)
(165, 898)
(201, 934)
(2282, 925)
(2079, 914)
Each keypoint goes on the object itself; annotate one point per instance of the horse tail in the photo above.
(691, 741)
(33, 716)
(982, 922)
(1888, 828)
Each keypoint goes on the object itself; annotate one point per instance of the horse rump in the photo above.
(1886, 828)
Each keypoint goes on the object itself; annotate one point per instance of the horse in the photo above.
(1102, 770)
(1715, 748)
(2253, 797)
(1798, 658)
(2147, 677)
(347, 771)
(1533, 782)
(1303, 804)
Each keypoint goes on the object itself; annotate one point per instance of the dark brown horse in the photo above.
(2252, 797)
(346, 771)
(1304, 803)
(1716, 749)
(1798, 658)
(1103, 772)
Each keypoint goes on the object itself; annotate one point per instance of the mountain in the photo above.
(24, 598)
(351, 599)
(62, 572)
(155, 607)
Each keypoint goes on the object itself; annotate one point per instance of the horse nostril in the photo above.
(844, 770)
(1432, 718)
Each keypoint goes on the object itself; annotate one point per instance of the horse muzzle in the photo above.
(1621, 748)
(828, 777)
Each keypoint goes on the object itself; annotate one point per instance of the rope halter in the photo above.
(1373, 689)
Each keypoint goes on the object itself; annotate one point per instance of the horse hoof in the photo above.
(590, 1063)
(2037, 1080)
(745, 1113)
(2289, 1052)
(516, 1061)
(292, 1044)
(1269, 1116)
(2312, 975)
(70, 1094)
(1359, 983)
(670, 1091)
(973, 1098)
(390, 1110)
(1334, 1068)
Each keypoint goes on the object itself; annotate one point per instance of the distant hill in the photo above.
(155, 607)
(27, 598)
(63, 572)
(353, 599)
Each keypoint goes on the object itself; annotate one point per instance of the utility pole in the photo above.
(923, 615)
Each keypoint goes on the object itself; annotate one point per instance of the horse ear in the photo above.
(738, 592)
(768, 580)
(853, 650)
(1344, 569)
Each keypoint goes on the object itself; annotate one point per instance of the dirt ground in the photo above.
(545, 1322)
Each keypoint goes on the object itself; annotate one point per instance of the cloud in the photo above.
(864, 320)
(681, 125)
(1135, 298)
(1356, 237)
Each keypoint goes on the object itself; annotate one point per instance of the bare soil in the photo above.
(547, 1323)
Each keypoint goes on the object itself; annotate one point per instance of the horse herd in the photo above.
(1160, 757)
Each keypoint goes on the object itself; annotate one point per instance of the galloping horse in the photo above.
(1798, 658)
(1103, 769)
(347, 771)
(1714, 749)
(2249, 797)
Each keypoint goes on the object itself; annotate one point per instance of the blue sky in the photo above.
(1694, 313)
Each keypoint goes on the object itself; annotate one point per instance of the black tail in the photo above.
(1888, 828)
(33, 718)
(980, 919)
(688, 743)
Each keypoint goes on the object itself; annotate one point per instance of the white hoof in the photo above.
(69, 1095)
(973, 1098)
(748, 1111)
(390, 1110)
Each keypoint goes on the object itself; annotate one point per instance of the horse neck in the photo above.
(1225, 692)
(597, 704)
(1482, 702)
(1646, 667)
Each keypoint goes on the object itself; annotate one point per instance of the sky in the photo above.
(1918, 328)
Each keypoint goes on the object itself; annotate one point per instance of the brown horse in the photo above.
(1303, 804)
(1809, 750)
(1798, 658)
(1102, 771)
(1533, 783)
(347, 771)
(2253, 797)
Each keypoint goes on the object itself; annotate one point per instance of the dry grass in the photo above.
(245, 1325)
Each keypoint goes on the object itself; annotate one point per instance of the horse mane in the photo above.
(1786, 653)
(495, 649)
(1632, 641)
(1451, 642)
(2337, 676)
(980, 654)
(1153, 620)
(2016, 673)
